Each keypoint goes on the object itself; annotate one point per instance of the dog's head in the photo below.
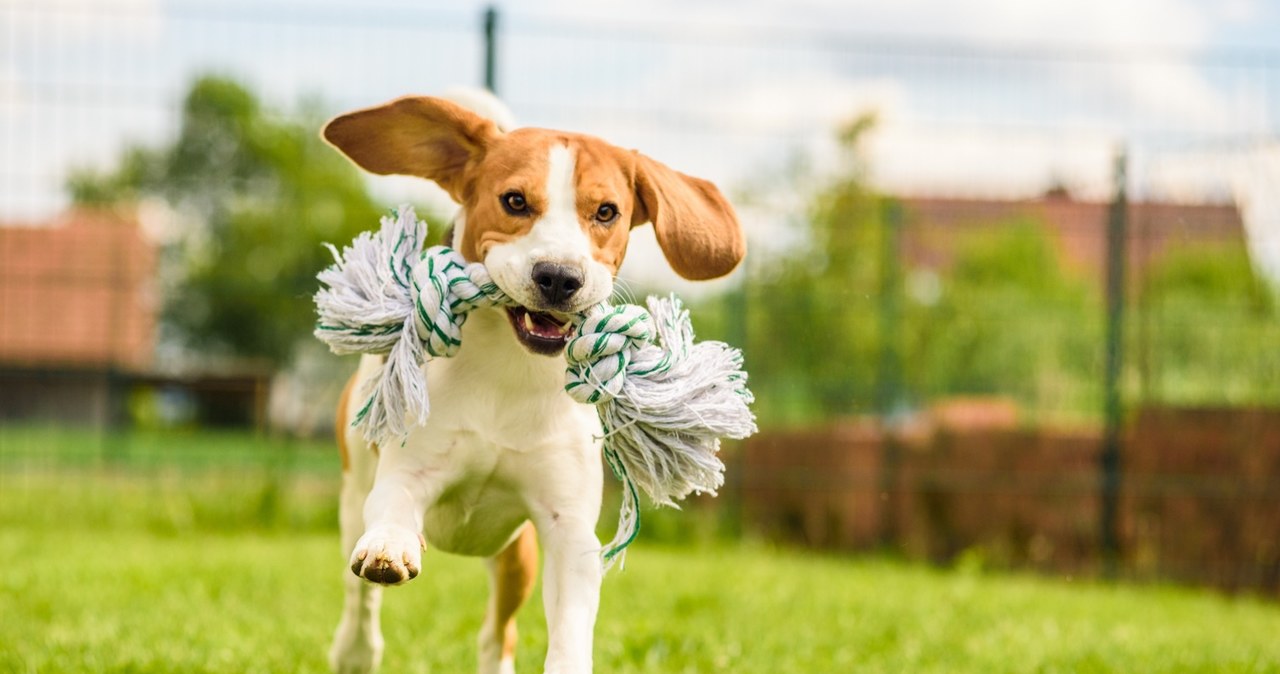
(548, 212)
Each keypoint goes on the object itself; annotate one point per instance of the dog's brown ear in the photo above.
(419, 136)
(696, 227)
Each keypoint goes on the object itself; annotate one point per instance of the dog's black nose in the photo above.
(556, 282)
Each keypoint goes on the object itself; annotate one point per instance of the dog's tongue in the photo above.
(545, 325)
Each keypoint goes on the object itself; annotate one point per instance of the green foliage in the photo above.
(832, 330)
(1206, 330)
(1007, 321)
(1216, 275)
(811, 335)
(843, 324)
(262, 192)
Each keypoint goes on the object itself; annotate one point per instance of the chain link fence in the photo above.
(946, 258)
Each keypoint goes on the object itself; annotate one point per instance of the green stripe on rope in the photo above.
(363, 411)
(620, 473)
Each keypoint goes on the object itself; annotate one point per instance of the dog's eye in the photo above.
(606, 214)
(514, 203)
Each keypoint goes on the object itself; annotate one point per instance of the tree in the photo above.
(811, 338)
(1008, 321)
(1209, 329)
(262, 193)
(843, 324)
(831, 330)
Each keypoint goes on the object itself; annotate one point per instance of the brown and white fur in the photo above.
(507, 459)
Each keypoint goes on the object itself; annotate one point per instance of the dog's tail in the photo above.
(483, 103)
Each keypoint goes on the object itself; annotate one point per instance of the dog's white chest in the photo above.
(501, 431)
(480, 506)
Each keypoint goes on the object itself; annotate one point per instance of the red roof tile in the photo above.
(77, 291)
(935, 227)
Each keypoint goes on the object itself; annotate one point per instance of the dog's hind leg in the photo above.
(512, 574)
(357, 643)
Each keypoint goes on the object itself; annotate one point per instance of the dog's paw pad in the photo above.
(387, 555)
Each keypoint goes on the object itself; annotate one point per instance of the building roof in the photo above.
(77, 290)
(936, 226)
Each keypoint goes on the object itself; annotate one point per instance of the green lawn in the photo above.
(160, 568)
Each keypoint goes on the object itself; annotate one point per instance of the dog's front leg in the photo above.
(390, 551)
(570, 584)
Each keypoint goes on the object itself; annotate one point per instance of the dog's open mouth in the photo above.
(539, 331)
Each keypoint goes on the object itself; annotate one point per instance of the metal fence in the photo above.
(1079, 231)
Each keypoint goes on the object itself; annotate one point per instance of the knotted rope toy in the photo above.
(664, 400)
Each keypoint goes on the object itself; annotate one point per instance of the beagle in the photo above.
(507, 459)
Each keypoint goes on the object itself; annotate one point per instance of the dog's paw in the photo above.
(388, 555)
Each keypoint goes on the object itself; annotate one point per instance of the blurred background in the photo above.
(1012, 295)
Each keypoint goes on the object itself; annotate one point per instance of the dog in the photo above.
(507, 460)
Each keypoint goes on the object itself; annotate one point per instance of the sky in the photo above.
(981, 98)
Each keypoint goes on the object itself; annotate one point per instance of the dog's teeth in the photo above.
(528, 322)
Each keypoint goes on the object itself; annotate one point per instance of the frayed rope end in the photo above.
(678, 399)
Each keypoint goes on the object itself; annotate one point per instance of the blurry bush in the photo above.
(811, 338)
(254, 195)
(1008, 321)
(844, 324)
(1208, 329)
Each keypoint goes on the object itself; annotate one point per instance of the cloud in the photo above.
(988, 162)
(12, 95)
(1256, 182)
(727, 109)
(1101, 23)
(106, 20)
(1095, 22)
(799, 104)
(1249, 177)
(995, 126)
(57, 52)
(1236, 11)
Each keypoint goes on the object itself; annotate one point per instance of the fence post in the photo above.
(1109, 462)
(737, 333)
(490, 48)
(889, 375)
(889, 398)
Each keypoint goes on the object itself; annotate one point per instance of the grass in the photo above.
(148, 567)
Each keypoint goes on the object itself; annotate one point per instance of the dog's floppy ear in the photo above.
(696, 227)
(417, 135)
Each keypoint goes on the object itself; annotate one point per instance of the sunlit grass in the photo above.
(76, 600)
(237, 569)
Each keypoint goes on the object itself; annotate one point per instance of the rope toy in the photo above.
(664, 401)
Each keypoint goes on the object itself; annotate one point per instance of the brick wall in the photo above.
(818, 488)
(1202, 496)
(1200, 493)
